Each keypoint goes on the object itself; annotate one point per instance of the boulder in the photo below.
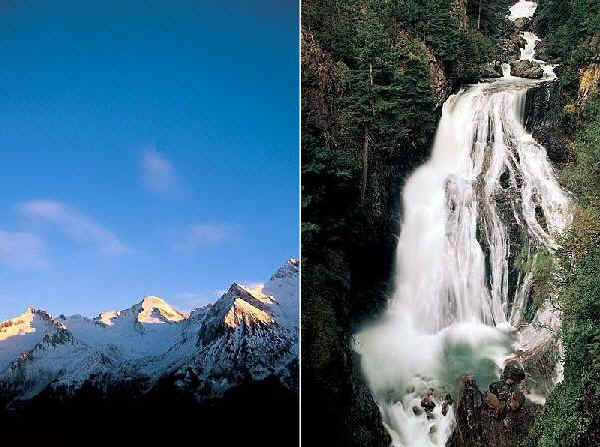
(499, 418)
(513, 371)
(428, 404)
(540, 364)
(516, 400)
(522, 23)
(491, 70)
(526, 69)
(447, 403)
(502, 390)
(494, 403)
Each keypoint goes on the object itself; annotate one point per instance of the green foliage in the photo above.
(583, 176)
(542, 268)
(574, 28)
(326, 175)
(571, 416)
(488, 14)
(543, 282)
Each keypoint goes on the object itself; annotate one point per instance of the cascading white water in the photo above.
(452, 312)
(531, 40)
(522, 8)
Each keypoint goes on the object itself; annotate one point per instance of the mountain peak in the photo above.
(33, 312)
(288, 270)
(152, 300)
(157, 310)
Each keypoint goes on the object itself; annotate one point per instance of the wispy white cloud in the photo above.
(200, 234)
(73, 223)
(158, 173)
(21, 249)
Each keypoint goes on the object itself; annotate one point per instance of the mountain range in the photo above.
(152, 353)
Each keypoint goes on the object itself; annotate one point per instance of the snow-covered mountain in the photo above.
(247, 335)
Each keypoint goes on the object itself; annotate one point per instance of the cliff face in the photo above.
(338, 407)
(543, 119)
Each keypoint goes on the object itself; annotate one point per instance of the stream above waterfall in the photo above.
(487, 191)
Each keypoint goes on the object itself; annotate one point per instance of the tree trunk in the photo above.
(479, 16)
(363, 188)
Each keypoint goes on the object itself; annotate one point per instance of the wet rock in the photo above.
(491, 70)
(494, 403)
(541, 218)
(447, 403)
(505, 179)
(513, 371)
(522, 23)
(363, 415)
(428, 404)
(516, 400)
(526, 69)
(540, 364)
(418, 411)
(543, 109)
(498, 418)
(445, 406)
(501, 389)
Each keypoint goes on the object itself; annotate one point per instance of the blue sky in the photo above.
(147, 147)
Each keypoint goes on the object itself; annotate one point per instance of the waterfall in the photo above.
(482, 159)
(487, 191)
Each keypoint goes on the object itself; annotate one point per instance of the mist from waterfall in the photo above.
(453, 310)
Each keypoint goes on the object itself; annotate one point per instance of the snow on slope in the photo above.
(249, 333)
(240, 338)
(20, 335)
(283, 285)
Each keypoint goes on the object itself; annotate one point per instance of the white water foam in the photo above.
(522, 9)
